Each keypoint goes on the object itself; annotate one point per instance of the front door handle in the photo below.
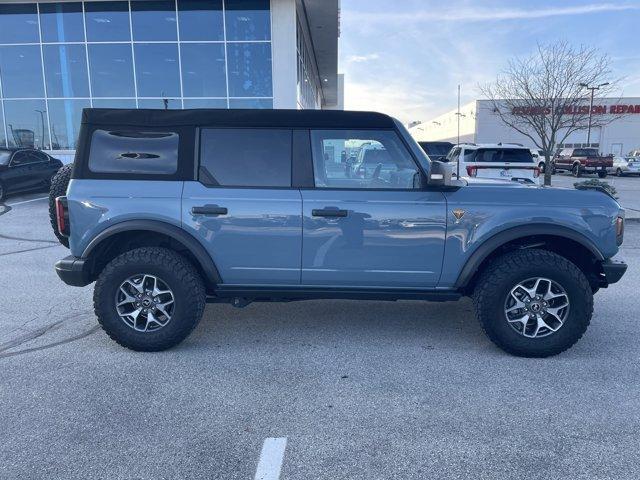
(212, 210)
(329, 212)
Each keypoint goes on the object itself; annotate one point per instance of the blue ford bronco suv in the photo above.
(169, 210)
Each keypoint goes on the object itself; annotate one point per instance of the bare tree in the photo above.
(544, 96)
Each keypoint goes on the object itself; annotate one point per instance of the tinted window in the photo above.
(21, 71)
(19, 23)
(491, 155)
(248, 19)
(154, 20)
(200, 20)
(65, 69)
(203, 73)
(111, 70)
(135, 152)
(246, 157)
(437, 149)
(249, 67)
(157, 70)
(361, 159)
(19, 158)
(585, 152)
(61, 22)
(107, 21)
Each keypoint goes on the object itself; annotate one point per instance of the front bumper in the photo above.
(73, 271)
(613, 269)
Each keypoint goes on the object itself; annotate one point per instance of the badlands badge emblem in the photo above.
(458, 213)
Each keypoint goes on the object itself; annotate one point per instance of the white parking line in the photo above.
(271, 459)
(26, 201)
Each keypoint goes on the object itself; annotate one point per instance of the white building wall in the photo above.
(283, 53)
(482, 125)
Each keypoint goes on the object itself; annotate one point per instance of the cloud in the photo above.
(362, 58)
(488, 14)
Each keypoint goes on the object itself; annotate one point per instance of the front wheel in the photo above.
(149, 299)
(576, 171)
(619, 172)
(602, 174)
(533, 303)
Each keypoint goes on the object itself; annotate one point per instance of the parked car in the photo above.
(582, 160)
(498, 161)
(539, 158)
(25, 169)
(625, 166)
(250, 215)
(437, 151)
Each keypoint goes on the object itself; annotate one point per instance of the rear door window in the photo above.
(134, 152)
(245, 157)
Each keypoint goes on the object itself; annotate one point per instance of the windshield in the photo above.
(585, 152)
(4, 157)
(437, 149)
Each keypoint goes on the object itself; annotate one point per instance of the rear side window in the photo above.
(134, 152)
(245, 157)
(505, 155)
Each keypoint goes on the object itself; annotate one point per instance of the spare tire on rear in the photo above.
(59, 184)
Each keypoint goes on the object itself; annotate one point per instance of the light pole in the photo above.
(592, 89)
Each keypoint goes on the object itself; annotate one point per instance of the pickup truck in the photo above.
(169, 210)
(582, 160)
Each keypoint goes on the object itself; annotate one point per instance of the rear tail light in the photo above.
(62, 216)
(472, 171)
(536, 172)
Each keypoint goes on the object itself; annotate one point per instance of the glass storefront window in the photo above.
(65, 70)
(114, 103)
(3, 137)
(21, 71)
(107, 21)
(203, 72)
(157, 69)
(27, 124)
(250, 103)
(248, 19)
(19, 23)
(64, 118)
(154, 20)
(205, 103)
(61, 22)
(200, 20)
(249, 67)
(111, 70)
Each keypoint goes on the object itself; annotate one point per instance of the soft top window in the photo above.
(134, 152)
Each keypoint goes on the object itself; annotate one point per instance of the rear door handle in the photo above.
(212, 210)
(329, 212)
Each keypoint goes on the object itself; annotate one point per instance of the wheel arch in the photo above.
(129, 234)
(562, 240)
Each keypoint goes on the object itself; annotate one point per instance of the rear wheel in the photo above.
(602, 174)
(533, 303)
(59, 183)
(149, 299)
(619, 172)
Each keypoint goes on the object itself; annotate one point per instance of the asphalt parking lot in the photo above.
(360, 390)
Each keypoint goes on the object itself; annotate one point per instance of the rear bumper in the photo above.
(613, 268)
(73, 271)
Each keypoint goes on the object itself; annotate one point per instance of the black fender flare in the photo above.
(189, 241)
(501, 238)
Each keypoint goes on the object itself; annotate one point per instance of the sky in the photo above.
(406, 57)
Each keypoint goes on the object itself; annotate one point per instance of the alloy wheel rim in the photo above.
(145, 303)
(536, 307)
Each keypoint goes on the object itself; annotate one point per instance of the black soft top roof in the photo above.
(241, 118)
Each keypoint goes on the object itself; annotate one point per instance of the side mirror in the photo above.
(440, 174)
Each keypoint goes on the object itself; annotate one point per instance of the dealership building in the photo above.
(619, 133)
(57, 58)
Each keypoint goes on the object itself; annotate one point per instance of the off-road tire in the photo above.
(602, 174)
(496, 282)
(179, 275)
(58, 188)
(576, 171)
